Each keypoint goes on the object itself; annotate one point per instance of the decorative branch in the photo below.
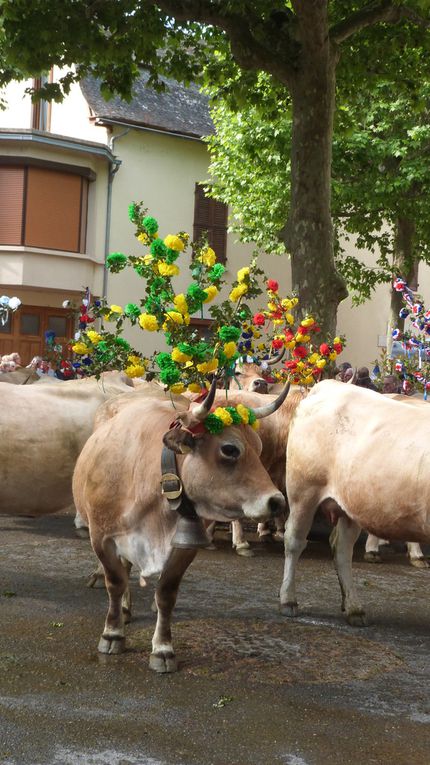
(385, 12)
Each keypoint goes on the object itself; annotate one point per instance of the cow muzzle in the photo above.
(259, 386)
(265, 506)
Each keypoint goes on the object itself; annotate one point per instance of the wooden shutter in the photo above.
(11, 204)
(53, 210)
(210, 219)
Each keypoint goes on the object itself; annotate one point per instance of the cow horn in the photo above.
(277, 358)
(353, 377)
(202, 411)
(264, 411)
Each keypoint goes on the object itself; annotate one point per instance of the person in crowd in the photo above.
(363, 379)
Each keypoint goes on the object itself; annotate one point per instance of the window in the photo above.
(30, 324)
(210, 220)
(43, 207)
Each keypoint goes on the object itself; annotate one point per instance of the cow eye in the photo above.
(230, 452)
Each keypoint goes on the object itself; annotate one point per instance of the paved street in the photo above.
(253, 688)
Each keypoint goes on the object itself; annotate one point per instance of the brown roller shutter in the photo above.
(210, 219)
(53, 210)
(11, 204)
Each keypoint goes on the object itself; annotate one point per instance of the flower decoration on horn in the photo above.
(410, 357)
(307, 357)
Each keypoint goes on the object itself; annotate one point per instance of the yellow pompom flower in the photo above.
(180, 357)
(307, 322)
(313, 358)
(223, 415)
(320, 363)
(116, 309)
(211, 293)
(289, 318)
(242, 274)
(167, 269)
(230, 349)
(177, 387)
(175, 317)
(136, 360)
(94, 336)
(194, 388)
(278, 322)
(290, 345)
(135, 370)
(147, 259)
(187, 319)
(302, 338)
(148, 321)
(174, 243)
(243, 412)
(333, 356)
(294, 302)
(337, 340)
(237, 292)
(255, 425)
(180, 302)
(143, 238)
(207, 257)
(80, 348)
(309, 380)
(208, 366)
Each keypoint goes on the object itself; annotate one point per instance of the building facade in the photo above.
(67, 175)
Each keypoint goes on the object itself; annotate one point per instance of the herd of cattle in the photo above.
(358, 456)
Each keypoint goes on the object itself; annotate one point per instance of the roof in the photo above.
(178, 109)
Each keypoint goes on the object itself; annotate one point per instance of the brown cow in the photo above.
(43, 429)
(365, 458)
(116, 488)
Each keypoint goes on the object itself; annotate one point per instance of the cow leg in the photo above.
(371, 550)
(342, 540)
(163, 657)
(112, 640)
(238, 540)
(416, 555)
(97, 578)
(295, 539)
(81, 528)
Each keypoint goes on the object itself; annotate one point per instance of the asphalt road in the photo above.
(252, 688)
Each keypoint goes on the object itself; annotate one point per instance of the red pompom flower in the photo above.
(277, 343)
(272, 285)
(324, 349)
(299, 352)
(259, 319)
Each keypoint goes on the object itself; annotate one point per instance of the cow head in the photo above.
(222, 474)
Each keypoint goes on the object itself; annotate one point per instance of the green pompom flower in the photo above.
(150, 224)
(235, 416)
(186, 348)
(122, 343)
(171, 255)
(252, 417)
(164, 360)
(158, 249)
(201, 351)
(216, 272)
(229, 333)
(213, 424)
(131, 309)
(170, 375)
(116, 261)
(133, 211)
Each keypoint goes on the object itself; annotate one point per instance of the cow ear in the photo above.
(179, 440)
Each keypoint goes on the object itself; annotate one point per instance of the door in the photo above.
(24, 332)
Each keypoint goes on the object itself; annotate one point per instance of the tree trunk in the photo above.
(406, 267)
(309, 232)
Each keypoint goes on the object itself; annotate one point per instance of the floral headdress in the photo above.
(415, 366)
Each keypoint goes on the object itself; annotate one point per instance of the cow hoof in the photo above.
(278, 536)
(211, 547)
(266, 539)
(244, 550)
(111, 645)
(163, 663)
(126, 615)
(372, 557)
(83, 532)
(97, 581)
(357, 619)
(289, 609)
(419, 562)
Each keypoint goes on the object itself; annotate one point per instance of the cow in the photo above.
(365, 459)
(117, 490)
(43, 429)
(415, 554)
(274, 434)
